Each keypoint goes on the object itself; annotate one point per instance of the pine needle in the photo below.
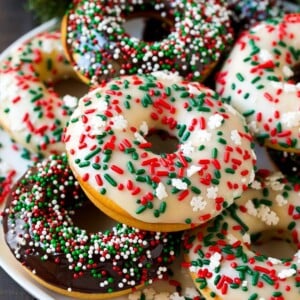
(45, 10)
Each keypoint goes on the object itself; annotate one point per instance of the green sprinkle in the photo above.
(240, 77)
(141, 209)
(110, 180)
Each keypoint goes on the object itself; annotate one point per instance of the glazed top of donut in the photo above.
(107, 140)
(39, 229)
(260, 79)
(102, 49)
(222, 252)
(245, 13)
(30, 108)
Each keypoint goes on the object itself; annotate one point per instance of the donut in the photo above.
(31, 110)
(247, 13)
(41, 232)
(203, 161)
(221, 254)
(194, 38)
(14, 161)
(259, 79)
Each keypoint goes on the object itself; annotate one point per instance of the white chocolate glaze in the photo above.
(220, 255)
(106, 140)
(257, 79)
(30, 109)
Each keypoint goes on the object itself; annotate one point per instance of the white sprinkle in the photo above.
(212, 192)
(286, 273)
(161, 192)
(187, 148)
(202, 136)
(267, 215)
(119, 122)
(70, 101)
(179, 184)
(97, 125)
(215, 260)
(215, 121)
(198, 203)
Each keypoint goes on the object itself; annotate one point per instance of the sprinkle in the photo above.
(179, 184)
(202, 32)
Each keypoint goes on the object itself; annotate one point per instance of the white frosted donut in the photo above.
(220, 255)
(107, 140)
(30, 110)
(257, 79)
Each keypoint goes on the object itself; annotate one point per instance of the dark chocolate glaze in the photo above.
(190, 39)
(33, 225)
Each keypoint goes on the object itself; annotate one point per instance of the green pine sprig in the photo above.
(45, 10)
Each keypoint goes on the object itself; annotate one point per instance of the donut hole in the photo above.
(148, 27)
(161, 141)
(295, 77)
(273, 243)
(91, 219)
(68, 86)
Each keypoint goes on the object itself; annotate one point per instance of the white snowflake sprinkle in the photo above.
(280, 200)
(267, 215)
(119, 122)
(215, 260)
(202, 136)
(179, 184)
(198, 203)
(215, 121)
(97, 125)
(160, 191)
(212, 192)
(187, 148)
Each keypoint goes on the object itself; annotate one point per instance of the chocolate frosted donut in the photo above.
(194, 38)
(40, 232)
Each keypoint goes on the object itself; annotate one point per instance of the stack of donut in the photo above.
(162, 145)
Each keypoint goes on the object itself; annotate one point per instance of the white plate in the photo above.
(13, 159)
